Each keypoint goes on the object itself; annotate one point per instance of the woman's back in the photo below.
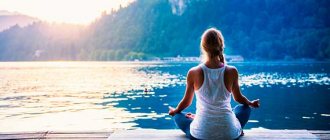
(214, 117)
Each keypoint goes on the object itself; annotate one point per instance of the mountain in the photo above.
(9, 19)
(255, 29)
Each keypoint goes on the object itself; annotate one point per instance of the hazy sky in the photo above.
(69, 11)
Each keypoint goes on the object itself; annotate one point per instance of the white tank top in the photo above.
(214, 116)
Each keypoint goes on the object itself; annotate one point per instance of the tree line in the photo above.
(255, 29)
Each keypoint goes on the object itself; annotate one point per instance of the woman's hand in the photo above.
(171, 111)
(255, 103)
(190, 115)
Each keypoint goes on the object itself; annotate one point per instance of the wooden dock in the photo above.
(173, 134)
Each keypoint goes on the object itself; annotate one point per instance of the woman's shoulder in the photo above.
(195, 70)
(232, 70)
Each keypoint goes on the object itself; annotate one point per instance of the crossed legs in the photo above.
(242, 113)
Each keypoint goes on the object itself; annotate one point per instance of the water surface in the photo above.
(79, 96)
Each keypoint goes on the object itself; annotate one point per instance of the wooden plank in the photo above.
(319, 131)
(79, 132)
(175, 134)
(29, 135)
(78, 138)
(275, 131)
(278, 134)
(78, 135)
(322, 134)
(56, 135)
(24, 132)
(249, 134)
(147, 134)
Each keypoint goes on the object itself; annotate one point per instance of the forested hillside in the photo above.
(8, 19)
(255, 29)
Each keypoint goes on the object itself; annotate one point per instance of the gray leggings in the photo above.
(242, 113)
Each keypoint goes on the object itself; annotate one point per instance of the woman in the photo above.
(213, 82)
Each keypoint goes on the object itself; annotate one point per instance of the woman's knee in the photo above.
(246, 108)
(182, 122)
(242, 113)
(178, 116)
(243, 108)
(179, 119)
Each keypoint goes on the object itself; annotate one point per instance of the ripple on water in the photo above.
(296, 79)
(253, 121)
(325, 115)
(305, 117)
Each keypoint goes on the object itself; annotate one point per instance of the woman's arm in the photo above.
(238, 96)
(188, 96)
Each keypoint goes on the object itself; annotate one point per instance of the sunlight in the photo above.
(66, 11)
(94, 91)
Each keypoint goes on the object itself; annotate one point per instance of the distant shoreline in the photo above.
(160, 61)
(193, 59)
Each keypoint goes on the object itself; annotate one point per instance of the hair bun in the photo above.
(212, 43)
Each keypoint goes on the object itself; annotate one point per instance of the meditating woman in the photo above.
(213, 82)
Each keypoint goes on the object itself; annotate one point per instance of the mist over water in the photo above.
(111, 95)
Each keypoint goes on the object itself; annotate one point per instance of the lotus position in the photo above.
(213, 82)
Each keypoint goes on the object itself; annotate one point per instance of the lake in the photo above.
(77, 96)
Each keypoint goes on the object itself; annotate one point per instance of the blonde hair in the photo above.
(212, 45)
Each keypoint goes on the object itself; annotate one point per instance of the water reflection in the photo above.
(80, 96)
(73, 95)
(286, 79)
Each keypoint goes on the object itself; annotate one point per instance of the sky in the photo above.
(63, 11)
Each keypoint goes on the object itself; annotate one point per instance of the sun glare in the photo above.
(63, 11)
